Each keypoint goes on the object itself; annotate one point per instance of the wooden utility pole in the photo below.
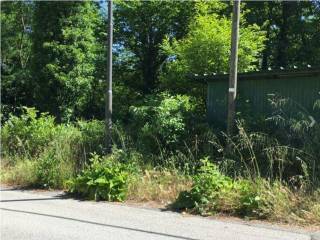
(232, 92)
(108, 98)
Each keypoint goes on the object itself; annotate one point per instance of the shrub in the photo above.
(58, 151)
(162, 120)
(213, 192)
(103, 179)
(92, 135)
(52, 170)
(209, 190)
(27, 134)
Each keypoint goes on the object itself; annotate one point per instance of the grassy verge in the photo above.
(260, 179)
(212, 192)
(159, 186)
(206, 193)
(21, 174)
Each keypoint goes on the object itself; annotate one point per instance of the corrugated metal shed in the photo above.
(254, 89)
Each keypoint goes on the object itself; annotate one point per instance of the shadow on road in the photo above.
(99, 224)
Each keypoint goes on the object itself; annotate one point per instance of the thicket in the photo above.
(50, 152)
(250, 174)
(53, 58)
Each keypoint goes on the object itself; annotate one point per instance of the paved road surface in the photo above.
(28, 215)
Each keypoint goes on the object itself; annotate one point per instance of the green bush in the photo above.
(23, 173)
(58, 151)
(92, 135)
(209, 187)
(104, 179)
(162, 120)
(52, 169)
(214, 192)
(27, 134)
(47, 170)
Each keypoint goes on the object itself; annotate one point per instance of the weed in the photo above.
(103, 179)
(21, 174)
(159, 186)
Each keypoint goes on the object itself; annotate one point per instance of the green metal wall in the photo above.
(253, 95)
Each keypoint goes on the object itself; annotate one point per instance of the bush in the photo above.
(58, 151)
(209, 189)
(103, 179)
(160, 186)
(27, 134)
(52, 170)
(92, 135)
(162, 120)
(214, 192)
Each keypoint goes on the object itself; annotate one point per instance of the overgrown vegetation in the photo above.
(213, 192)
(51, 152)
(252, 174)
(103, 179)
(53, 61)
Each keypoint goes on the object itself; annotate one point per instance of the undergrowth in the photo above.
(104, 179)
(212, 192)
(268, 174)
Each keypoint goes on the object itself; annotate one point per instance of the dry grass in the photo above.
(284, 205)
(159, 186)
(297, 207)
(306, 209)
(21, 174)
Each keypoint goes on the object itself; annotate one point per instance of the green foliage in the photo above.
(209, 187)
(141, 26)
(103, 179)
(64, 56)
(56, 151)
(162, 118)
(51, 171)
(93, 133)
(154, 38)
(298, 128)
(16, 19)
(295, 22)
(214, 192)
(206, 49)
(61, 159)
(27, 134)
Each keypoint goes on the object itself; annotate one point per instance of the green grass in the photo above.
(261, 177)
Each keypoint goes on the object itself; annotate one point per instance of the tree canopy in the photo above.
(53, 54)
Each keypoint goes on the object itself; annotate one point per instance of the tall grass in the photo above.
(54, 152)
(271, 172)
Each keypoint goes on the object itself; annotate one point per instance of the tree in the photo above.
(65, 54)
(206, 49)
(292, 31)
(141, 27)
(16, 18)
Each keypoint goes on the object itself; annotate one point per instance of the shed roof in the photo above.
(268, 74)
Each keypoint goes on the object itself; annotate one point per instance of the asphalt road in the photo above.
(29, 215)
